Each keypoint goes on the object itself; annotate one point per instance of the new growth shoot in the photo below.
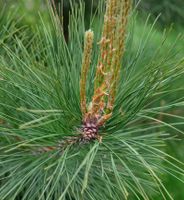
(112, 47)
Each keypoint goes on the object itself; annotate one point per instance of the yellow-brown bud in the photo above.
(88, 44)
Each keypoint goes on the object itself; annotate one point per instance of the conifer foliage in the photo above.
(79, 118)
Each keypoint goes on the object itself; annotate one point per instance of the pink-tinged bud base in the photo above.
(90, 129)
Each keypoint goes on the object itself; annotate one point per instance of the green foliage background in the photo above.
(171, 11)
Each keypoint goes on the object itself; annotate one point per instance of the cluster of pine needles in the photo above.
(87, 118)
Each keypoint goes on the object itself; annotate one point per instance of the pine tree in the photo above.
(81, 119)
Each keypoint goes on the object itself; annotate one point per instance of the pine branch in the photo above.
(51, 131)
